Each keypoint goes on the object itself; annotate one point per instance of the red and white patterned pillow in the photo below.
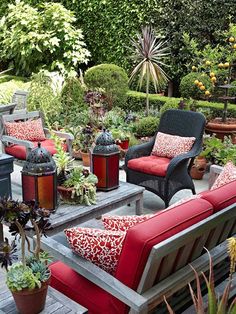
(31, 130)
(123, 223)
(227, 175)
(101, 247)
(170, 146)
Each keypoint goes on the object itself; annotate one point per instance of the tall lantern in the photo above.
(105, 162)
(39, 180)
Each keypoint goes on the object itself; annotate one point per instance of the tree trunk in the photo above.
(170, 89)
(147, 95)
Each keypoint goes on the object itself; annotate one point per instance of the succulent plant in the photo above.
(40, 270)
(21, 277)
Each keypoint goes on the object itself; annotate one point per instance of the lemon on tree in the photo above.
(208, 63)
(221, 65)
(207, 93)
(194, 69)
(196, 82)
(202, 87)
(231, 39)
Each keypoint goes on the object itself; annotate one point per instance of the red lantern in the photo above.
(39, 180)
(105, 162)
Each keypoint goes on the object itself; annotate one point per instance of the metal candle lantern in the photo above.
(105, 162)
(39, 181)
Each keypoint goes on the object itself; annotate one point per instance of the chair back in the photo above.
(20, 98)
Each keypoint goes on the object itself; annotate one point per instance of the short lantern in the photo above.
(105, 162)
(39, 179)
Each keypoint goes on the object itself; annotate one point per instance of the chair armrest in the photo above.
(176, 161)
(95, 274)
(140, 150)
(67, 136)
(14, 140)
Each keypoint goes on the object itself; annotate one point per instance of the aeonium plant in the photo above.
(32, 270)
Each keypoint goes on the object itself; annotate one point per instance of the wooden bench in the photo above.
(169, 260)
(25, 116)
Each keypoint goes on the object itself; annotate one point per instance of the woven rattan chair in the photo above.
(174, 122)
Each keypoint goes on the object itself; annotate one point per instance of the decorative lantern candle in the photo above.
(39, 181)
(105, 162)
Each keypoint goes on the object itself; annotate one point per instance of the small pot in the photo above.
(85, 159)
(31, 301)
(76, 154)
(66, 195)
(123, 144)
(198, 168)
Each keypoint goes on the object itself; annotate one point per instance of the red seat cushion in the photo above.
(19, 151)
(150, 164)
(221, 197)
(79, 289)
(141, 238)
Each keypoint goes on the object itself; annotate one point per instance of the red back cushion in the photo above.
(222, 196)
(31, 130)
(141, 238)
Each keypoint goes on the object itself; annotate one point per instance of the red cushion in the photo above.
(79, 289)
(151, 165)
(19, 151)
(141, 238)
(221, 197)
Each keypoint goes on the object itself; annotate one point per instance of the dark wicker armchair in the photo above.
(174, 122)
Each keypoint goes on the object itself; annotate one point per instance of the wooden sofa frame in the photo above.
(24, 116)
(169, 259)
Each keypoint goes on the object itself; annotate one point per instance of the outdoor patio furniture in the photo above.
(175, 122)
(155, 259)
(20, 99)
(20, 148)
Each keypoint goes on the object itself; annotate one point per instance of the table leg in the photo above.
(1, 232)
(139, 205)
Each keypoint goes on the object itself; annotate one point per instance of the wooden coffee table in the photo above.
(71, 215)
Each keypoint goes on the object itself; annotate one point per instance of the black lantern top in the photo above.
(40, 161)
(105, 144)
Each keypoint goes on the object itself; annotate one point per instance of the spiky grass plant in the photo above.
(215, 305)
(149, 53)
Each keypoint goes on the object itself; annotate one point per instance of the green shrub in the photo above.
(189, 90)
(31, 38)
(232, 91)
(171, 103)
(8, 85)
(42, 97)
(72, 99)
(146, 126)
(110, 78)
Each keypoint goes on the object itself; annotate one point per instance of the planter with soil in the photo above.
(221, 129)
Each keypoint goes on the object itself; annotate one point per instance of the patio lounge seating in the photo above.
(154, 261)
(20, 148)
(165, 176)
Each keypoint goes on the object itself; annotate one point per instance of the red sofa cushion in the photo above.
(19, 151)
(141, 238)
(79, 289)
(150, 164)
(221, 197)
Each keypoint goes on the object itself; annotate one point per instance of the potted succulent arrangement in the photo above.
(76, 185)
(27, 279)
(121, 137)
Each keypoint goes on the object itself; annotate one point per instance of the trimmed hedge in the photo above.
(136, 101)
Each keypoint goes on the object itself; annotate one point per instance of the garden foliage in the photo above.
(189, 90)
(32, 38)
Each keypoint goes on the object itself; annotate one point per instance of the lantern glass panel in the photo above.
(28, 188)
(113, 171)
(100, 170)
(45, 191)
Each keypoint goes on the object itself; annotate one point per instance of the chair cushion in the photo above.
(19, 151)
(123, 223)
(31, 130)
(101, 247)
(79, 289)
(153, 165)
(141, 238)
(222, 196)
(227, 175)
(170, 146)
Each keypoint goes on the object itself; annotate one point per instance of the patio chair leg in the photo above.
(193, 191)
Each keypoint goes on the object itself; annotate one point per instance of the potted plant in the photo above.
(79, 187)
(121, 137)
(86, 140)
(27, 279)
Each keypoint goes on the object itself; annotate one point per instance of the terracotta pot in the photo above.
(31, 301)
(222, 129)
(66, 195)
(198, 168)
(123, 144)
(85, 159)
